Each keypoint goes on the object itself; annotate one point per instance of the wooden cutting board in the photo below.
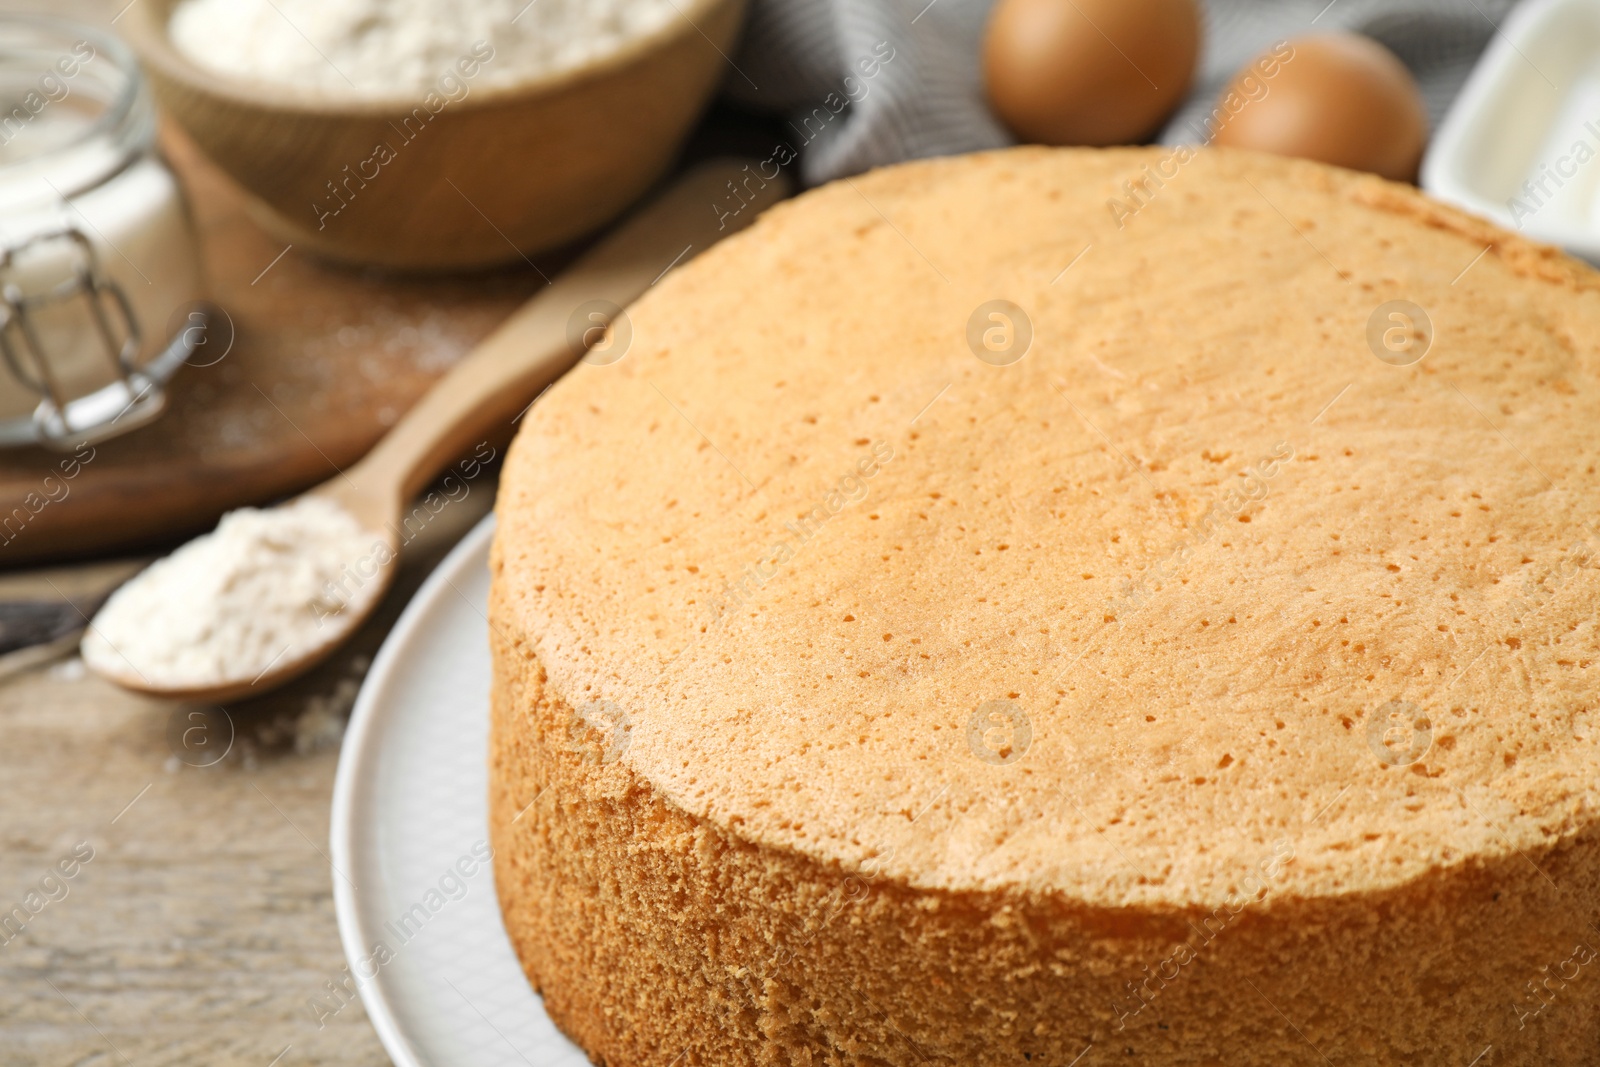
(323, 360)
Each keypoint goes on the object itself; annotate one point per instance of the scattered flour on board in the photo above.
(267, 586)
(384, 47)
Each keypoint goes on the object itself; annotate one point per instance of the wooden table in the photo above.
(204, 921)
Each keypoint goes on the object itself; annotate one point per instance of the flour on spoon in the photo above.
(266, 587)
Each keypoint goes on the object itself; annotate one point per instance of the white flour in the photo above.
(267, 587)
(384, 47)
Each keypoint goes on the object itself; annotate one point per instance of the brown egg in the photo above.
(1337, 98)
(1089, 72)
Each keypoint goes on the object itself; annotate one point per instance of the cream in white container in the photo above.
(1521, 143)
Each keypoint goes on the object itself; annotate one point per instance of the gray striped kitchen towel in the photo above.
(870, 82)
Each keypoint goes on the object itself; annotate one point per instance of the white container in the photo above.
(1521, 144)
(100, 282)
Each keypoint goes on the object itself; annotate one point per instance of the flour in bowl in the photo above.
(265, 588)
(387, 47)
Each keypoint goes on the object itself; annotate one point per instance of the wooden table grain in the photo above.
(197, 921)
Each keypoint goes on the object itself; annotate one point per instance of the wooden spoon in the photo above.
(495, 383)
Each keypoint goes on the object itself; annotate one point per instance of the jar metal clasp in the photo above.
(135, 396)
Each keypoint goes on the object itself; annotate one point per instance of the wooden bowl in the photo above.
(503, 172)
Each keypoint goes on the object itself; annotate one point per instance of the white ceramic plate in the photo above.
(417, 910)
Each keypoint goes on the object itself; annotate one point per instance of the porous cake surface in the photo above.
(1045, 556)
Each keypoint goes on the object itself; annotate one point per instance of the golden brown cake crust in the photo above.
(860, 701)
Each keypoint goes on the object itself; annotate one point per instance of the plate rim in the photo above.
(356, 752)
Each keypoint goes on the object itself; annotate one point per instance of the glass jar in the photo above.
(100, 280)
